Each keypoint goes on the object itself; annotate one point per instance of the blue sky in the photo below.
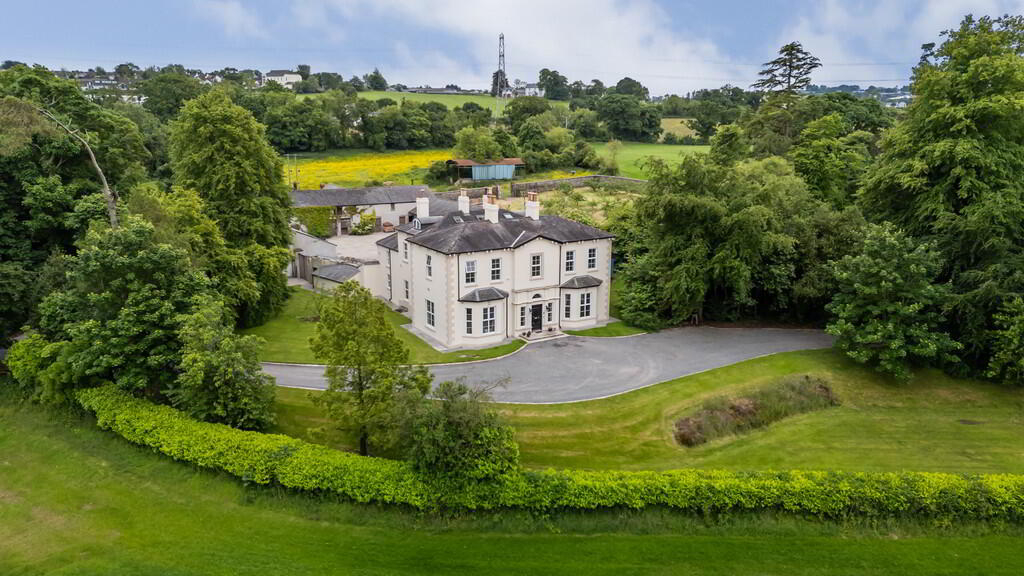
(671, 46)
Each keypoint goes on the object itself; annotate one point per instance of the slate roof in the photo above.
(390, 242)
(582, 281)
(280, 72)
(357, 196)
(485, 294)
(337, 272)
(475, 234)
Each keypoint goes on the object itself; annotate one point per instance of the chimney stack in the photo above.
(532, 206)
(422, 207)
(490, 209)
(463, 201)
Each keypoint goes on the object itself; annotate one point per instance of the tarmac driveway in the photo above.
(574, 368)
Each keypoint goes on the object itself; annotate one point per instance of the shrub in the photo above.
(724, 416)
(316, 219)
(670, 138)
(292, 463)
(366, 223)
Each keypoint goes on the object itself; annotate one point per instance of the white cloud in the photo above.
(237, 20)
(878, 42)
(582, 39)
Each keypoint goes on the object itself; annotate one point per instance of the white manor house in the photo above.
(475, 275)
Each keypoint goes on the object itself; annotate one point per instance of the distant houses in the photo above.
(285, 78)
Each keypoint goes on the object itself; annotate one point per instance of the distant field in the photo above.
(354, 167)
(633, 154)
(676, 126)
(449, 100)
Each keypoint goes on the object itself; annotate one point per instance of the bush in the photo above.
(366, 223)
(724, 416)
(291, 463)
(316, 219)
(670, 138)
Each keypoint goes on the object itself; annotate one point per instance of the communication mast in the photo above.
(502, 78)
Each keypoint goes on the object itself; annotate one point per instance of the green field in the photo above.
(633, 154)
(934, 423)
(287, 337)
(449, 100)
(77, 500)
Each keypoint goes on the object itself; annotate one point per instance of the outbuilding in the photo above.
(504, 169)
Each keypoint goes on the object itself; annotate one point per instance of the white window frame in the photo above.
(522, 316)
(570, 261)
(431, 318)
(469, 320)
(405, 250)
(489, 324)
(430, 266)
(406, 289)
(585, 299)
(568, 305)
(550, 309)
(470, 271)
(592, 259)
(495, 269)
(539, 266)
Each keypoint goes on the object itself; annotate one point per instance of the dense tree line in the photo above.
(901, 232)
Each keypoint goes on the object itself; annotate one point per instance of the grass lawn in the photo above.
(287, 336)
(633, 154)
(933, 423)
(77, 500)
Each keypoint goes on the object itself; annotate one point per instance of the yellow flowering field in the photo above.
(354, 168)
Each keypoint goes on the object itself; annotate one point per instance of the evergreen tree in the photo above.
(789, 73)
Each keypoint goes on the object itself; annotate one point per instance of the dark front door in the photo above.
(537, 322)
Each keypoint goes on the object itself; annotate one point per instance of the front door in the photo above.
(537, 322)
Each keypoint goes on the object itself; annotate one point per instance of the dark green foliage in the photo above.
(17, 298)
(630, 87)
(167, 92)
(458, 436)
(630, 118)
(1007, 363)
(831, 159)
(888, 308)
(219, 150)
(221, 379)
(788, 73)
(119, 313)
(729, 145)
(733, 242)
(720, 417)
(291, 463)
(519, 109)
(302, 125)
(952, 171)
(555, 86)
(375, 81)
(477, 144)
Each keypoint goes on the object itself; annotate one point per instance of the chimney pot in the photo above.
(532, 206)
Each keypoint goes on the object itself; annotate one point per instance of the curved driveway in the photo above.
(574, 368)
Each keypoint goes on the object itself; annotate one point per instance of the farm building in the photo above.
(504, 169)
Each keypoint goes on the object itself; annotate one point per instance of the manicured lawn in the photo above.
(76, 500)
(287, 337)
(634, 153)
(933, 423)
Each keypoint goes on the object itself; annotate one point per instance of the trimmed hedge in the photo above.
(276, 459)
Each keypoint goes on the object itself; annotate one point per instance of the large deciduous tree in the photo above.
(167, 92)
(953, 171)
(220, 151)
(366, 371)
(888, 309)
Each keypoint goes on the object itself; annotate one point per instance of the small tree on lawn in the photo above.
(888, 308)
(366, 372)
(457, 435)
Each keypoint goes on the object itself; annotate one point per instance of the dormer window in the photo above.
(416, 224)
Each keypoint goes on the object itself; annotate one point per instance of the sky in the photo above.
(670, 46)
